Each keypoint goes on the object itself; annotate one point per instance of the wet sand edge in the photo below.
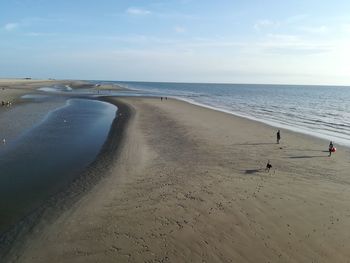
(14, 239)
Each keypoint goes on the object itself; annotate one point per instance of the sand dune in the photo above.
(189, 186)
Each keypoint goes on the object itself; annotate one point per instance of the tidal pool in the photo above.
(50, 155)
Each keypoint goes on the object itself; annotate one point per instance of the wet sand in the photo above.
(188, 184)
(12, 89)
(17, 120)
(27, 112)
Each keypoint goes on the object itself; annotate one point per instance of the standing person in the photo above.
(330, 148)
(268, 166)
(278, 136)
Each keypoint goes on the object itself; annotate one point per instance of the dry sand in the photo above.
(189, 186)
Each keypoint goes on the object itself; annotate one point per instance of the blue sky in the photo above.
(272, 41)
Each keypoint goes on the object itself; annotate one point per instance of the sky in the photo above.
(228, 41)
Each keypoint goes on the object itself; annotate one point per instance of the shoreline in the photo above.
(29, 112)
(186, 199)
(268, 123)
(189, 184)
(13, 239)
(14, 90)
(271, 125)
(297, 129)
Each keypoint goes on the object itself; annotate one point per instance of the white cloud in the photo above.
(315, 29)
(137, 11)
(345, 28)
(179, 29)
(39, 34)
(265, 23)
(296, 18)
(294, 45)
(283, 38)
(11, 26)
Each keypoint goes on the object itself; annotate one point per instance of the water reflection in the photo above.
(47, 157)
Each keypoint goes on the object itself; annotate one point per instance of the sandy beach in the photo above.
(188, 185)
(13, 89)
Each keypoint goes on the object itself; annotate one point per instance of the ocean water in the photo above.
(321, 111)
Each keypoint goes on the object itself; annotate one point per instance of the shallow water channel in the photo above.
(47, 157)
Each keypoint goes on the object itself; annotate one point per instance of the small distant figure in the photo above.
(278, 136)
(6, 103)
(268, 166)
(331, 148)
(4, 141)
(161, 98)
(166, 98)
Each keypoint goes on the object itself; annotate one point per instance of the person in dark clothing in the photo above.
(330, 148)
(268, 166)
(278, 136)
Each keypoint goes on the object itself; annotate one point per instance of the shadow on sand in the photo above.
(258, 143)
(308, 150)
(306, 156)
(252, 171)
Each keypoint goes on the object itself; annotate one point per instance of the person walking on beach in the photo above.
(268, 166)
(330, 148)
(278, 136)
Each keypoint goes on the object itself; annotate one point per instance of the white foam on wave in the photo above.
(321, 135)
(56, 89)
(68, 88)
(281, 120)
(48, 89)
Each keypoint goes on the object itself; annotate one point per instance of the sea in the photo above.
(320, 111)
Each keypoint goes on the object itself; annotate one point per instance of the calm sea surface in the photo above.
(322, 111)
(50, 155)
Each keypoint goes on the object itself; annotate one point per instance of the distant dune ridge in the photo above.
(189, 185)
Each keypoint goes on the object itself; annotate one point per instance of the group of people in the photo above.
(331, 149)
(6, 103)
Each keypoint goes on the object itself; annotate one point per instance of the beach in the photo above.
(13, 89)
(188, 184)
